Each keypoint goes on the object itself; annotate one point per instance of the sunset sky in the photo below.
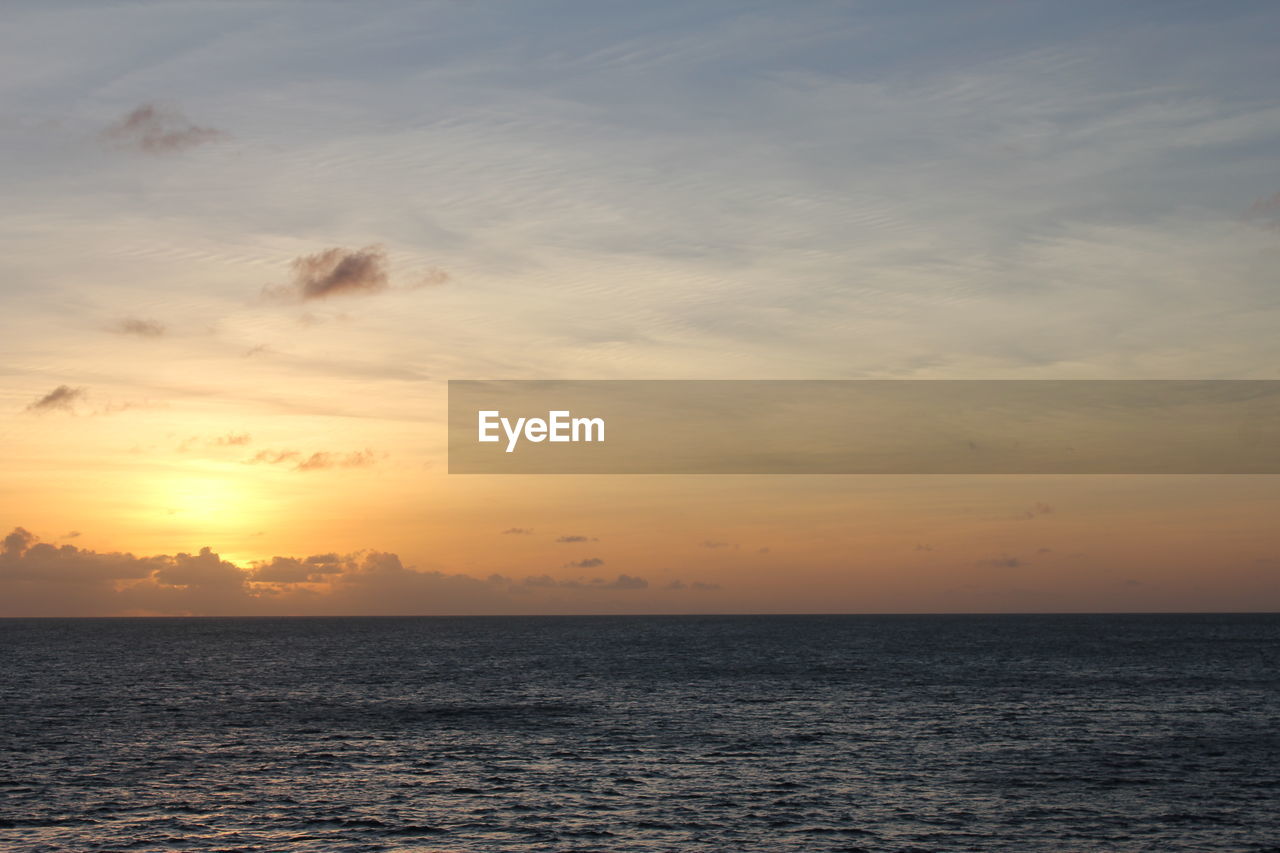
(244, 246)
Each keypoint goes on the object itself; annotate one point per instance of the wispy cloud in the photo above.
(158, 129)
(697, 586)
(60, 399)
(139, 327)
(317, 461)
(1002, 562)
(1036, 510)
(621, 582)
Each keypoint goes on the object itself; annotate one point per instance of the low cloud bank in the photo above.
(44, 579)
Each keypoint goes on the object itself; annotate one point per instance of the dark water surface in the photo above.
(1026, 733)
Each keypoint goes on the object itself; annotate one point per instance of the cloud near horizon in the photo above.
(43, 579)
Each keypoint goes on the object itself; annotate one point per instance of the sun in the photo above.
(209, 499)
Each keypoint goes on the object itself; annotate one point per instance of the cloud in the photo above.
(17, 542)
(621, 582)
(205, 569)
(322, 461)
(318, 461)
(576, 539)
(62, 398)
(139, 327)
(1003, 562)
(37, 578)
(274, 457)
(588, 563)
(1267, 209)
(541, 581)
(698, 586)
(231, 439)
(433, 277)
(627, 582)
(517, 531)
(1035, 510)
(307, 570)
(158, 129)
(334, 272)
(338, 271)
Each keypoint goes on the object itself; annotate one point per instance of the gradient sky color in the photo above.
(245, 244)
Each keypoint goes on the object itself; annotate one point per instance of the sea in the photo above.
(727, 733)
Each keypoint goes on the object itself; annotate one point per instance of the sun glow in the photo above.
(218, 501)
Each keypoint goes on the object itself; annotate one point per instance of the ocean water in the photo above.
(929, 733)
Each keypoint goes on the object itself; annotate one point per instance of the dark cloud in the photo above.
(18, 541)
(205, 569)
(38, 578)
(699, 586)
(338, 271)
(627, 582)
(42, 579)
(517, 531)
(157, 129)
(308, 570)
(139, 327)
(1003, 562)
(621, 582)
(588, 563)
(541, 581)
(576, 539)
(335, 272)
(63, 398)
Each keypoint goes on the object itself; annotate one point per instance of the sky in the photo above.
(244, 246)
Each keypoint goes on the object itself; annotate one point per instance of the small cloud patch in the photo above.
(60, 399)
